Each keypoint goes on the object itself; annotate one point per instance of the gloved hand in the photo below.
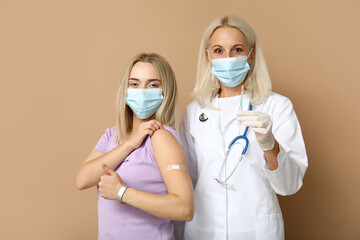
(261, 124)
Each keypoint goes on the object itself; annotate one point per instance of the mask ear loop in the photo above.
(250, 52)
(209, 56)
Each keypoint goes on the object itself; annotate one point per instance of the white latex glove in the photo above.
(261, 124)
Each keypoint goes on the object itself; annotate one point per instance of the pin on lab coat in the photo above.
(249, 209)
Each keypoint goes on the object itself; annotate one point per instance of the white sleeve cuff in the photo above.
(280, 158)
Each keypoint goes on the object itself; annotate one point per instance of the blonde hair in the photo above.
(258, 83)
(167, 113)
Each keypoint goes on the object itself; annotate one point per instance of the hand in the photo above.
(110, 183)
(261, 124)
(137, 136)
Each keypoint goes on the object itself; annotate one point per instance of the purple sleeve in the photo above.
(102, 145)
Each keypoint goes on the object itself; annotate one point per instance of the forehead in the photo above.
(228, 36)
(144, 70)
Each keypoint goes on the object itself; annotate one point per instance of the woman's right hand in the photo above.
(110, 183)
(137, 136)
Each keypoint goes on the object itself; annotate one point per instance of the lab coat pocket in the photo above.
(269, 227)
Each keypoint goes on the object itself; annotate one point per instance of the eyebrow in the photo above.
(232, 46)
(149, 80)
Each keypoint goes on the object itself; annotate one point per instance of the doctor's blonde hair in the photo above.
(167, 113)
(258, 83)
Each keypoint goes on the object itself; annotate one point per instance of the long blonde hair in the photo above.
(167, 113)
(258, 83)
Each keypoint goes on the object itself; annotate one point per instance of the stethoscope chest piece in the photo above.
(203, 117)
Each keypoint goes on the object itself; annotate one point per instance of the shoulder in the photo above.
(172, 131)
(105, 140)
(277, 106)
(161, 133)
(193, 106)
(277, 98)
(274, 102)
(109, 132)
(165, 137)
(191, 118)
(192, 109)
(165, 146)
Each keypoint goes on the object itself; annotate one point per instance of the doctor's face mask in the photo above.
(230, 71)
(227, 52)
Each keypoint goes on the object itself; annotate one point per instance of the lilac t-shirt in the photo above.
(139, 170)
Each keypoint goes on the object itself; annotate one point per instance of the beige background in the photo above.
(60, 62)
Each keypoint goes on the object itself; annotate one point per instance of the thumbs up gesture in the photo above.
(110, 183)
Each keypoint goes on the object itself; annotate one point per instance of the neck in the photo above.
(230, 91)
(137, 121)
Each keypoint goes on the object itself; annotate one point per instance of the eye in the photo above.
(238, 50)
(133, 84)
(218, 51)
(154, 85)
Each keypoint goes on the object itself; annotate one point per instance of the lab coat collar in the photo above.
(246, 103)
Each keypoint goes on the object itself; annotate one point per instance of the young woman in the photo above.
(139, 166)
(243, 142)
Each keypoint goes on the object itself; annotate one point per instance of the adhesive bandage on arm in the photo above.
(175, 167)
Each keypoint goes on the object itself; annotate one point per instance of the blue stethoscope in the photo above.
(243, 136)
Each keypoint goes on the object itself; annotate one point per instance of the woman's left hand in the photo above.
(110, 183)
(261, 124)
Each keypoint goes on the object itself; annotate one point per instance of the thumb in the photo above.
(107, 169)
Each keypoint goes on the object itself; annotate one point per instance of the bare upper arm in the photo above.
(168, 151)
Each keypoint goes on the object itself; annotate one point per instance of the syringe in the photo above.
(241, 98)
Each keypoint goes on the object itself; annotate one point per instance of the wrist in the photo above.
(268, 144)
(128, 145)
(271, 157)
(121, 193)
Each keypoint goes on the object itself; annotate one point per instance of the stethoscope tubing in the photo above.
(243, 136)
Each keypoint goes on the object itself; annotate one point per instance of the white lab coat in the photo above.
(249, 209)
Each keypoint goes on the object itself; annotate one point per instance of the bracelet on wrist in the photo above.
(121, 193)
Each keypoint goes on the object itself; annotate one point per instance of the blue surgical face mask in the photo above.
(144, 102)
(230, 71)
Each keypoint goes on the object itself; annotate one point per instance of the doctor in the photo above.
(235, 185)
